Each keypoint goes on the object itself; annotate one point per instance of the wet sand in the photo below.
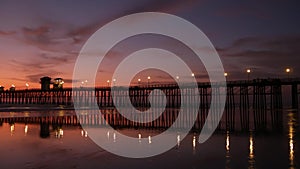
(29, 151)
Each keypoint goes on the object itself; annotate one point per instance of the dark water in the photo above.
(32, 145)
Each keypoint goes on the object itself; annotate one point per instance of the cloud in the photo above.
(44, 36)
(38, 37)
(55, 58)
(43, 61)
(35, 78)
(168, 6)
(7, 33)
(283, 46)
(268, 55)
(40, 31)
(244, 9)
(81, 34)
(53, 46)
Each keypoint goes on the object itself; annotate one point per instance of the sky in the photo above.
(44, 38)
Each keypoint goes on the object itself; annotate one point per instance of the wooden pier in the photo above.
(262, 97)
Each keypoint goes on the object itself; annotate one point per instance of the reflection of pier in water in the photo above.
(116, 120)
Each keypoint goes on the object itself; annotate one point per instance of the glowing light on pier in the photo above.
(248, 73)
(288, 71)
(225, 74)
(149, 78)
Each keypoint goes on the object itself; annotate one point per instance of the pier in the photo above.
(257, 94)
(250, 102)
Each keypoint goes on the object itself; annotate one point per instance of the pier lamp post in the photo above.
(193, 76)
(114, 82)
(225, 74)
(1, 88)
(149, 78)
(27, 86)
(288, 71)
(12, 88)
(177, 79)
(248, 73)
(82, 83)
(139, 81)
(108, 83)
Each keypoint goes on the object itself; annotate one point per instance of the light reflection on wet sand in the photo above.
(69, 147)
(251, 157)
(227, 147)
(291, 134)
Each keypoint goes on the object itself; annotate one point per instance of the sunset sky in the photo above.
(43, 38)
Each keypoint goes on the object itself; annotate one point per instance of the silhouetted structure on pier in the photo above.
(12, 88)
(45, 83)
(58, 84)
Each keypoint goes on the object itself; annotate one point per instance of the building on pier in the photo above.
(45, 83)
(12, 88)
(1, 88)
(58, 84)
